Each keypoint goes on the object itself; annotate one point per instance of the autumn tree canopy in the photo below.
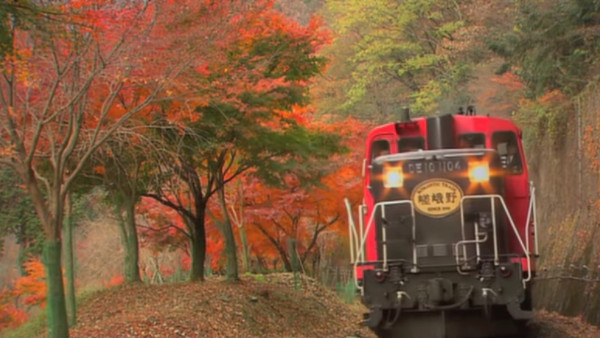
(66, 87)
(246, 112)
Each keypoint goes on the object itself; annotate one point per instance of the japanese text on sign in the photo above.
(437, 197)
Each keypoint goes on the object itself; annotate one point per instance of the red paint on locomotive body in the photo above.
(444, 240)
(516, 184)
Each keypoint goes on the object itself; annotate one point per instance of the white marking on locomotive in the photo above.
(434, 167)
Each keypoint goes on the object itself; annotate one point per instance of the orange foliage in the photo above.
(99, 169)
(509, 80)
(305, 214)
(554, 97)
(231, 64)
(10, 315)
(163, 227)
(115, 281)
(33, 285)
(592, 145)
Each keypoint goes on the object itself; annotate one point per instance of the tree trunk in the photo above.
(69, 262)
(132, 268)
(129, 238)
(242, 229)
(21, 260)
(245, 249)
(198, 248)
(57, 314)
(230, 247)
(51, 254)
(278, 247)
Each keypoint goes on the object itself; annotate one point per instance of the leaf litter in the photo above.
(272, 305)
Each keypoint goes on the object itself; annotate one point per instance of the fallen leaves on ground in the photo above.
(553, 325)
(263, 305)
(274, 305)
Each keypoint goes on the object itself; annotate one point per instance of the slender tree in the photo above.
(121, 163)
(61, 97)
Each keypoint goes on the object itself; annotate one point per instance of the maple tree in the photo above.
(64, 91)
(302, 211)
(121, 165)
(33, 284)
(10, 315)
(255, 98)
(162, 228)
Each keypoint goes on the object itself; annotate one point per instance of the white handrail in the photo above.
(360, 251)
(361, 223)
(512, 223)
(351, 230)
(357, 242)
(530, 211)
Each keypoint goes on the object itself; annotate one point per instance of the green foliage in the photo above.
(17, 215)
(347, 291)
(400, 54)
(9, 10)
(256, 277)
(178, 276)
(298, 64)
(34, 327)
(553, 45)
(23, 14)
(546, 116)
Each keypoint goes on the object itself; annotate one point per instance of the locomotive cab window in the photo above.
(471, 140)
(505, 143)
(407, 144)
(379, 148)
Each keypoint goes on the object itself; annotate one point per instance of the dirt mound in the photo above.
(273, 305)
(260, 305)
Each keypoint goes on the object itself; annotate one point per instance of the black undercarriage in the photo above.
(491, 301)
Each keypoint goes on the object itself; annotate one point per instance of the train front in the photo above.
(438, 253)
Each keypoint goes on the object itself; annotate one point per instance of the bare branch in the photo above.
(43, 180)
(7, 163)
(166, 202)
(318, 230)
(170, 226)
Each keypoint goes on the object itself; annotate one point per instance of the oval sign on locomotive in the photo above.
(436, 197)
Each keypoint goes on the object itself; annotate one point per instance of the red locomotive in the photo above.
(445, 243)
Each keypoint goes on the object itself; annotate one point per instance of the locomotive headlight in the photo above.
(393, 177)
(479, 172)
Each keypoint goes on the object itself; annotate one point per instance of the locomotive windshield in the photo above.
(505, 143)
(380, 148)
(414, 143)
(472, 140)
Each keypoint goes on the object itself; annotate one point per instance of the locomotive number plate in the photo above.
(436, 197)
(434, 166)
